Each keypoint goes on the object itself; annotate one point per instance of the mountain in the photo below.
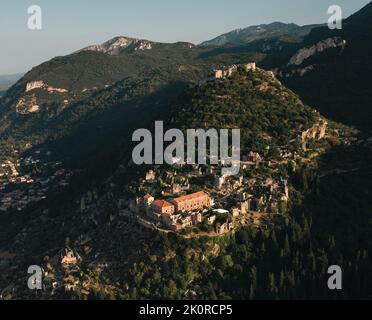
(75, 104)
(329, 69)
(263, 31)
(267, 113)
(333, 70)
(142, 263)
(121, 44)
(83, 108)
(62, 92)
(72, 199)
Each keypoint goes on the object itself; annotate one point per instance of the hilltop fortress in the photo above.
(226, 72)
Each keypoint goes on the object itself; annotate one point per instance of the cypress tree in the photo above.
(286, 247)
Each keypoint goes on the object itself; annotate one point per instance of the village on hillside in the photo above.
(200, 200)
(28, 180)
(221, 205)
(181, 198)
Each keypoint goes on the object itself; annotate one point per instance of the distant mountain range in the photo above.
(261, 32)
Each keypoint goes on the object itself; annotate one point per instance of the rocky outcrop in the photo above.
(297, 66)
(317, 132)
(305, 53)
(297, 72)
(27, 105)
(34, 85)
(116, 45)
(143, 45)
(110, 47)
(58, 90)
(42, 85)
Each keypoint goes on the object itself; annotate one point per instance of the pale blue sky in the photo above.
(69, 25)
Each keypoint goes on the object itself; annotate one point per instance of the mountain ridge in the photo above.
(120, 44)
(257, 32)
(334, 70)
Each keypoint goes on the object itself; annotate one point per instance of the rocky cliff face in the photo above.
(116, 45)
(110, 47)
(301, 62)
(31, 100)
(339, 81)
(317, 132)
(27, 105)
(34, 85)
(307, 52)
(42, 85)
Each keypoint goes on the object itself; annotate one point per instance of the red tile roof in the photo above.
(190, 197)
(147, 196)
(162, 204)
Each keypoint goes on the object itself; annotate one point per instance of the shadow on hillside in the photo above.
(339, 206)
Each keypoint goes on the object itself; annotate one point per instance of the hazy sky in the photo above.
(69, 25)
